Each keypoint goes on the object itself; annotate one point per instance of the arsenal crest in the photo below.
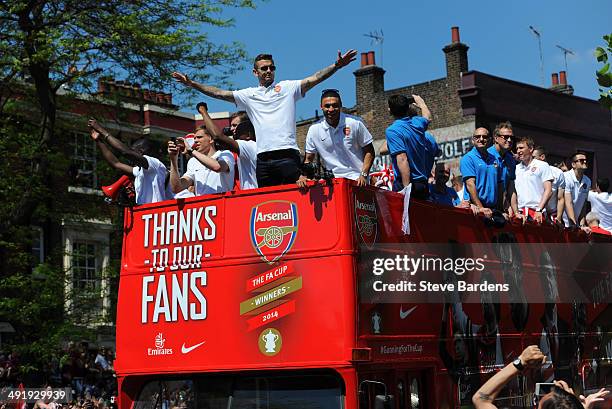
(273, 229)
(277, 88)
(347, 131)
(365, 218)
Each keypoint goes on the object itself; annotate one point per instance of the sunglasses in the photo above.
(580, 160)
(485, 137)
(507, 137)
(268, 67)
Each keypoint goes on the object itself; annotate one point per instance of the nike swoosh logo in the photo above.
(186, 350)
(404, 314)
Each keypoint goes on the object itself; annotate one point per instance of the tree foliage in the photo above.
(68, 43)
(50, 48)
(604, 74)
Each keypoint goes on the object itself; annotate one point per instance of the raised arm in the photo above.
(108, 155)
(319, 76)
(425, 112)
(531, 357)
(115, 143)
(209, 90)
(214, 130)
(177, 183)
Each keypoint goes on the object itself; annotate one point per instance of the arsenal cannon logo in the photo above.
(365, 218)
(274, 226)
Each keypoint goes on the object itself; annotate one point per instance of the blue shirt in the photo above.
(507, 165)
(448, 198)
(486, 172)
(407, 135)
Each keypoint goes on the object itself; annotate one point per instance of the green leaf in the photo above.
(601, 55)
(604, 79)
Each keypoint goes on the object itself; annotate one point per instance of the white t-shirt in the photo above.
(601, 203)
(340, 147)
(529, 182)
(272, 112)
(150, 183)
(183, 194)
(208, 181)
(247, 161)
(558, 183)
(579, 191)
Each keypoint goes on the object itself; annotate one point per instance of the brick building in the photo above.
(466, 99)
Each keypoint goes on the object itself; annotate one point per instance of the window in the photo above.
(84, 161)
(297, 390)
(85, 268)
(86, 261)
(38, 246)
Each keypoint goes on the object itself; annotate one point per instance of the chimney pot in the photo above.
(371, 59)
(455, 34)
(168, 99)
(562, 78)
(364, 59)
(555, 79)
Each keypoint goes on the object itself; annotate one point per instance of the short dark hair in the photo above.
(143, 144)
(239, 114)
(500, 126)
(603, 184)
(561, 399)
(578, 153)
(261, 57)
(331, 93)
(218, 146)
(245, 127)
(540, 149)
(527, 141)
(400, 106)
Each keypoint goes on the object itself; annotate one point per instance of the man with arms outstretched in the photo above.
(271, 108)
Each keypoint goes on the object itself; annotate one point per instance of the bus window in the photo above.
(244, 391)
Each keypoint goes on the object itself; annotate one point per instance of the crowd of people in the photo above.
(501, 173)
(87, 372)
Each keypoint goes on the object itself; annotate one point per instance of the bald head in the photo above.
(480, 138)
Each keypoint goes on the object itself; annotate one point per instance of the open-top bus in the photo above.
(262, 299)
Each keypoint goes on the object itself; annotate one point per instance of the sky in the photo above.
(306, 36)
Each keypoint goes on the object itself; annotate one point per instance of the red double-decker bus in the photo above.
(257, 299)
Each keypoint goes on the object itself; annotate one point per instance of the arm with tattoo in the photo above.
(343, 60)
(209, 90)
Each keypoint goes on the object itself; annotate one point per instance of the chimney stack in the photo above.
(456, 58)
(562, 78)
(555, 79)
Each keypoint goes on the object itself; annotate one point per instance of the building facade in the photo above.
(466, 99)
